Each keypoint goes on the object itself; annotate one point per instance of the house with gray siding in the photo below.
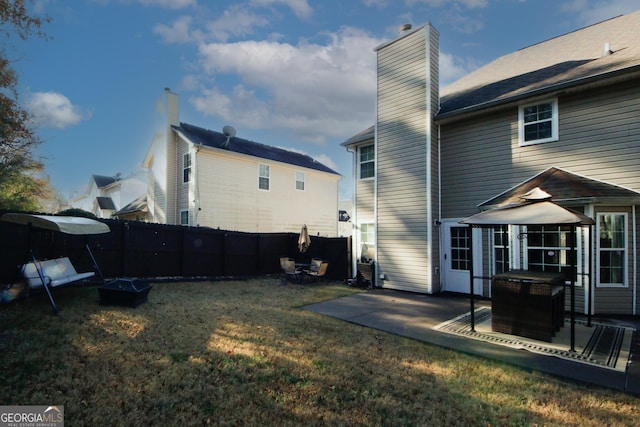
(562, 115)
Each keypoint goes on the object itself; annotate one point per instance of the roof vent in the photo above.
(405, 27)
(606, 51)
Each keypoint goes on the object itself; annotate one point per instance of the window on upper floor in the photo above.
(186, 167)
(263, 177)
(538, 123)
(299, 180)
(367, 161)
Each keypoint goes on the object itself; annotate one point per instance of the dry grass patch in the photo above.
(245, 353)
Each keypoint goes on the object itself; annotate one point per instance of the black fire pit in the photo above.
(127, 292)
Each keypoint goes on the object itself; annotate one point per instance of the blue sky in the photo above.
(297, 74)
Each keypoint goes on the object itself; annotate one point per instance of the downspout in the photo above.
(635, 263)
(354, 219)
(196, 186)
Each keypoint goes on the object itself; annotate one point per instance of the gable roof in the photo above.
(569, 60)
(567, 188)
(366, 135)
(137, 205)
(103, 181)
(213, 139)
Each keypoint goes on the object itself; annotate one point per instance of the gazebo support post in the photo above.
(589, 280)
(471, 296)
(574, 271)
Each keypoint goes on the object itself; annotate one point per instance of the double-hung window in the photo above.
(184, 217)
(186, 167)
(551, 248)
(299, 180)
(538, 123)
(368, 241)
(612, 249)
(501, 250)
(263, 177)
(367, 157)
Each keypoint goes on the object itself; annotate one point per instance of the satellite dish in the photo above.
(229, 132)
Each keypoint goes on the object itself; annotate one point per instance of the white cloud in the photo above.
(300, 8)
(588, 13)
(178, 32)
(53, 110)
(314, 90)
(235, 21)
(471, 4)
(169, 4)
(326, 160)
(452, 68)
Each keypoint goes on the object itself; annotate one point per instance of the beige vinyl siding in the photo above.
(403, 217)
(599, 134)
(230, 198)
(476, 162)
(364, 199)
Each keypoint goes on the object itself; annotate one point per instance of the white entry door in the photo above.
(457, 259)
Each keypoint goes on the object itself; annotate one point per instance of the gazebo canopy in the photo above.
(536, 209)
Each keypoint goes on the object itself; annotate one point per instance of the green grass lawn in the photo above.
(245, 353)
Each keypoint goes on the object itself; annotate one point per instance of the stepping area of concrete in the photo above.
(415, 316)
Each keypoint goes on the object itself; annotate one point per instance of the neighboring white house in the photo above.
(105, 195)
(201, 177)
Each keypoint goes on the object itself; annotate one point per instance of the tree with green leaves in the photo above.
(21, 186)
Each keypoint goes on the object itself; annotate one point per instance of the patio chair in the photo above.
(289, 271)
(320, 273)
(314, 266)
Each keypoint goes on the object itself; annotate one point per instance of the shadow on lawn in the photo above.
(241, 352)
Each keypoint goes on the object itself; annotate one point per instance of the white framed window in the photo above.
(501, 248)
(184, 217)
(186, 167)
(299, 180)
(538, 123)
(612, 249)
(367, 161)
(551, 248)
(264, 172)
(367, 241)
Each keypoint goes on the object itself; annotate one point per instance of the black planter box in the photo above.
(127, 292)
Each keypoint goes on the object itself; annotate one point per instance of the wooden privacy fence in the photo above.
(158, 251)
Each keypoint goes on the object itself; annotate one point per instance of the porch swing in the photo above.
(49, 273)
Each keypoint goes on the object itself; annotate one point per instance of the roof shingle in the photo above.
(570, 59)
(218, 140)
